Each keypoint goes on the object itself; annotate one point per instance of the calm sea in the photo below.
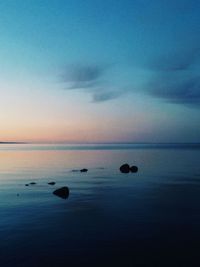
(148, 218)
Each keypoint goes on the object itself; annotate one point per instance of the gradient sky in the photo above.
(100, 70)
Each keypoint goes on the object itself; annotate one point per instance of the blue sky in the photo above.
(95, 71)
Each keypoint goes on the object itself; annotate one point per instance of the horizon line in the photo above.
(93, 143)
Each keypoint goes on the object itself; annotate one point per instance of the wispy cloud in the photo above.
(92, 79)
(82, 76)
(103, 96)
(174, 78)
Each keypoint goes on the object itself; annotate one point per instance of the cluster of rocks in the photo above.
(125, 168)
(63, 192)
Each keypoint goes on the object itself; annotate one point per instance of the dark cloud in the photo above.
(176, 79)
(176, 61)
(176, 90)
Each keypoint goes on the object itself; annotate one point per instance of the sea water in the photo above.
(148, 218)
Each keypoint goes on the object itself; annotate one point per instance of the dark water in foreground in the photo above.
(151, 218)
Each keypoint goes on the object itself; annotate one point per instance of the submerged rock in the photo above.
(52, 183)
(83, 170)
(62, 192)
(32, 183)
(133, 168)
(125, 168)
(26, 184)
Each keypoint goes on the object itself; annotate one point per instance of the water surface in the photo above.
(151, 218)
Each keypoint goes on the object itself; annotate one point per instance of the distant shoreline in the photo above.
(12, 143)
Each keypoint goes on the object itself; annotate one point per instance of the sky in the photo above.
(100, 70)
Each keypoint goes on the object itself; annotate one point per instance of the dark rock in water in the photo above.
(133, 168)
(125, 168)
(75, 170)
(26, 184)
(32, 183)
(51, 183)
(62, 192)
(83, 170)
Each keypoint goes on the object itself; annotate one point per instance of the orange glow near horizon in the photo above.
(72, 134)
